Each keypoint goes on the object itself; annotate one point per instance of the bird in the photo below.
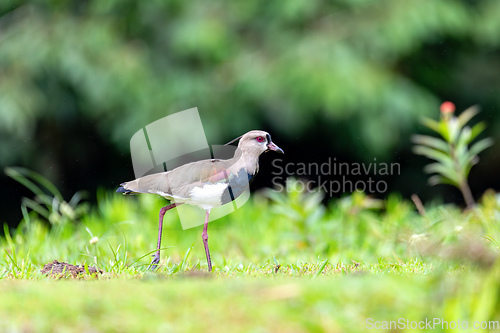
(205, 184)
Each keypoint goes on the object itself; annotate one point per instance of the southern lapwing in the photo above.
(205, 184)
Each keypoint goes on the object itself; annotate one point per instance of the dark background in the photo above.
(348, 79)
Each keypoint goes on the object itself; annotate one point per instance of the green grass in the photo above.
(282, 263)
(228, 304)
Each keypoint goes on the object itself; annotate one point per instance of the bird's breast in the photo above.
(207, 196)
(237, 185)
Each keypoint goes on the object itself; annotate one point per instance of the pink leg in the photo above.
(156, 256)
(204, 236)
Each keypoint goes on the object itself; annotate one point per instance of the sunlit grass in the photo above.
(282, 259)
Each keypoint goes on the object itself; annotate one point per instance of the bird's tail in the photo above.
(123, 190)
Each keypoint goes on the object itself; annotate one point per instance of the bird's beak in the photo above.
(272, 146)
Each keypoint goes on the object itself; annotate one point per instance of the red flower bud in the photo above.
(447, 107)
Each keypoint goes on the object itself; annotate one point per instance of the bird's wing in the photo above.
(179, 182)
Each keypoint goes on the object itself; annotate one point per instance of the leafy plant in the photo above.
(48, 201)
(454, 158)
(301, 207)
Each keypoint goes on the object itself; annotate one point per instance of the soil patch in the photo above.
(61, 269)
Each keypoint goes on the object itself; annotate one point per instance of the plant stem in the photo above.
(465, 189)
(463, 185)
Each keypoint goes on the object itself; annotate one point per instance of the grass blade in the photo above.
(321, 268)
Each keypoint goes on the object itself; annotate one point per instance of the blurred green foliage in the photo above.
(48, 201)
(358, 73)
(118, 65)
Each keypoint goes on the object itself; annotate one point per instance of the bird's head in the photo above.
(257, 142)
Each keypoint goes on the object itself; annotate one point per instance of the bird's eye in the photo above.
(259, 139)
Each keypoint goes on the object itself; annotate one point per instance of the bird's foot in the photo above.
(154, 264)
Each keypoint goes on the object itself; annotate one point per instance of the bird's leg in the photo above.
(156, 256)
(204, 235)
